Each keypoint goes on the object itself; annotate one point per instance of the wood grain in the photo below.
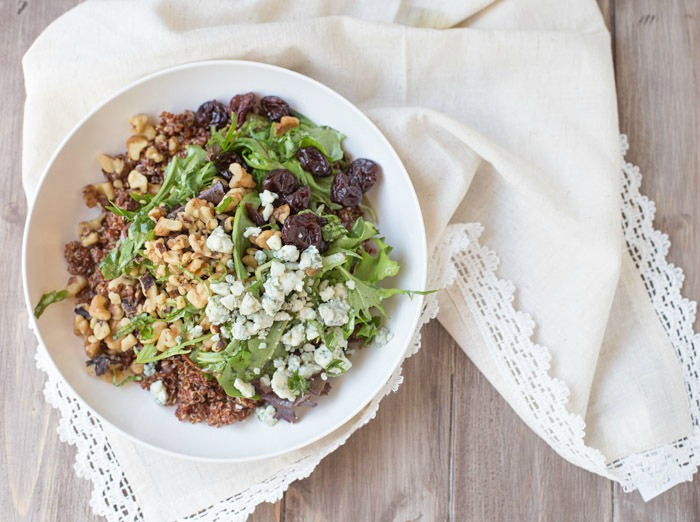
(446, 447)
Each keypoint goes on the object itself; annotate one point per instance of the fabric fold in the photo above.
(504, 113)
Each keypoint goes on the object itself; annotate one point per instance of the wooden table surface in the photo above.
(473, 459)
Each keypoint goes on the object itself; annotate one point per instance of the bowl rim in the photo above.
(421, 240)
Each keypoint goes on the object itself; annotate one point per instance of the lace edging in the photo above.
(507, 333)
(112, 496)
(648, 247)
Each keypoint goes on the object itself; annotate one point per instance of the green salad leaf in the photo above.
(375, 268)
(241, 221)
(149, 353)
(48, 299)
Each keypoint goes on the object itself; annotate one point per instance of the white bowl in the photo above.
(58, 208)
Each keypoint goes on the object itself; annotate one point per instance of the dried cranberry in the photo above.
(312, 160)
(363, 172)
(299, 199)
(303, 230)
(212, 113)
(275, 107)
(241, 105)
(223, 161)
(345, 191)
(280, 181)
(254, 215)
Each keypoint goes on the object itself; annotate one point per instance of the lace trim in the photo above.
(648, 248)
(112, 496)
(543, 399)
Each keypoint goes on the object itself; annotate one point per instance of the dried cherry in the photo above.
(254, 215)
(345, 191)
(280, 181)
(363, 173)
(304, 230)
(298, 200)
(275, 107)
(314, 161)
(223, 161)
(241, 105)
(212, 113)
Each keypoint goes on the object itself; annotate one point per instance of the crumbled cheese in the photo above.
(327, 294)
(216, 312)
(310, 258)
(267, 212)
(252, 231)
(230, 264)
(308, 369)
(230, 302)
(237, 288)
(279, 363)
(256, 371)
(149, 369)
(293, 363)
(220, 241)
(294, 336)
(239, 330)
(340, 291)
(323, 356)
(382, 336)
(229, 278)
(350, 284)
(260, 257)
(274, 242)
(220, 288)
(249, 305)
(334, 313)
(265, 380)
(159, 393)
(282, 316)
(280, 384)
(307, 314)
(288, 254)
(266, 414)
(196, 330)
(267, 197)
(311, 332)
(270, 305)
(246, 389)
(216, 337)
(276, 269)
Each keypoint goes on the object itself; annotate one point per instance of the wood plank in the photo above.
(39, 481)
(396, 467)
(658, 79)
(503, 471)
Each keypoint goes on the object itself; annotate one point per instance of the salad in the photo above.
(234, 265)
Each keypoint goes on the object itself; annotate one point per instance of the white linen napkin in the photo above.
(504, 113)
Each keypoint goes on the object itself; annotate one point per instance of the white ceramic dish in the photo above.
(58, 208)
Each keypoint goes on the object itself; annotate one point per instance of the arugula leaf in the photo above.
(184, 178)
(223, 205)
(149, 353)
(130, 378)
(298, 384)
(48, 299)
(367, 296)
(336, 368)
(375, 268)
(137, 322)
(361, 230)
(333, 229)
(327, 140)
(241, 221)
